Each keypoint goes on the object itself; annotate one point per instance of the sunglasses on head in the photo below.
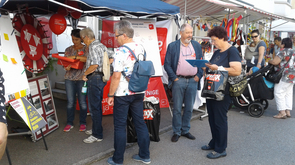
(254, 36)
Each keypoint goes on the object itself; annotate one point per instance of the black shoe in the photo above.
(206, 147)
(215, 155)
(189, 136)
(175, 138)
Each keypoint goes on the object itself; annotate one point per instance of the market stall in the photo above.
(24, 12)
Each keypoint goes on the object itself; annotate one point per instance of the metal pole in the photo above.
(184, 10)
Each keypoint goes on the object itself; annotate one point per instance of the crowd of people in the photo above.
(184, 80)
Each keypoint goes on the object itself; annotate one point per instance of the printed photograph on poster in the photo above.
(43, 84)
(11, 96)
(51, 121)
(33, 88)
(39, 132)
(48, 106)
(36, 101)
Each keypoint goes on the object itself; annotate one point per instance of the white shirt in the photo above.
(124, 61)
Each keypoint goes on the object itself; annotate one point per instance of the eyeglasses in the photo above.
(118, 35)
(187, 52)
(83, 38)
(254, 36)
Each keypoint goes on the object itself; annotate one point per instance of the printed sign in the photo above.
(29, 114)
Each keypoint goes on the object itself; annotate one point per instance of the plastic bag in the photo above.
(152, 116)
(215, 84)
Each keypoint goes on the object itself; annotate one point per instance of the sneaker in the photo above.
(111, 162)
(137, 158)
(91, 139)
(88, 132)
(68, 128)
(82, 128)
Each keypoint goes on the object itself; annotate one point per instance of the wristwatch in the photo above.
(110, 95)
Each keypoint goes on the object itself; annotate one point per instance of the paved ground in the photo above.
(260, 141)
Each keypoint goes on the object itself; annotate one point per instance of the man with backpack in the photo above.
(94, 77)
(183, 79)
(125, 100)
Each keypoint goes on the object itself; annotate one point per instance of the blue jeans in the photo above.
(183, 91)
(95, 87)
(73, 88)
(122, 104)
(217, 116)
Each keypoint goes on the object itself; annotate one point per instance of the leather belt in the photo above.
(187, 77)
(93, 73)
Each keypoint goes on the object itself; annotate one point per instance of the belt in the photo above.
(94, 73)
(187, 77)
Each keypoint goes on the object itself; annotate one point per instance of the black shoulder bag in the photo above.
(275, 76)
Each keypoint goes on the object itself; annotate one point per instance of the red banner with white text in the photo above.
(108, 34)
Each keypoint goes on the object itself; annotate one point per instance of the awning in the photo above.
(283, 26)
(216, 8)
(97, 7)
(195, 8)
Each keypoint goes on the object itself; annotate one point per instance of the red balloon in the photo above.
(62, 11)
(57, 24)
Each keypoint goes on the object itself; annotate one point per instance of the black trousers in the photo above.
(217, 115)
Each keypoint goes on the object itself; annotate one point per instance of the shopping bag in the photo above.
(215, 84)
(151, 115)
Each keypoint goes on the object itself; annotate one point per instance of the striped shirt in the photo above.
(95, 56)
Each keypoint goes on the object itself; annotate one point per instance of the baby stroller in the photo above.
(256, 94)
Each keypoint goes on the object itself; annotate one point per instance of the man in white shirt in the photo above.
(125, 100)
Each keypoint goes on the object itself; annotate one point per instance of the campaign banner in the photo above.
(155, 88)
(29, 114)
(108, 34)
(164, 34)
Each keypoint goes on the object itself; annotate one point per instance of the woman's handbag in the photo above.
(275, 76)
(215, 84)
(237, 84)
(237, 89)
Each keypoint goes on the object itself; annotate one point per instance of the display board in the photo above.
(145, 33)
(29, 114)
(41, 97)
(16, 82)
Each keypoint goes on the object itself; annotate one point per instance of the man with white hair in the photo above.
(183, 79)
(93, 75)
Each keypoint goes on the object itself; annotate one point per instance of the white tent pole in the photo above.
(185, 10)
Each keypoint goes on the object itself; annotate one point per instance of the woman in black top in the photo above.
(3, 126)
(227, 57)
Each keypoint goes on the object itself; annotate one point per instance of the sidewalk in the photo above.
(263, 140)
(66, 148)
(251, 141)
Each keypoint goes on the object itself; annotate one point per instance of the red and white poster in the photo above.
(108, 34)
(164, 34)
(155, 88)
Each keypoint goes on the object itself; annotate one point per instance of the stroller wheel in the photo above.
(264, 103)
(255, 110)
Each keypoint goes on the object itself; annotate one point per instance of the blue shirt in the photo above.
(224, 58)
(261, 43)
